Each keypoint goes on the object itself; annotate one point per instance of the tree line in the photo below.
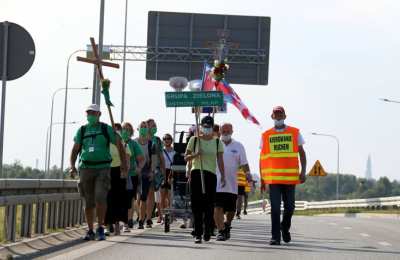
(350, 187)
(314, 189)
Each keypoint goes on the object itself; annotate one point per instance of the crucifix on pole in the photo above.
(98, 62)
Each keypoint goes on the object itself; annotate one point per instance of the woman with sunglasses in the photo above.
(169, 154)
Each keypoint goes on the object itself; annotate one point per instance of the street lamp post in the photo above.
(51, 120)
(47, 168)
(65, 104)
(338, 156)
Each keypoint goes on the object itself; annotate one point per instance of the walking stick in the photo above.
(203, 187)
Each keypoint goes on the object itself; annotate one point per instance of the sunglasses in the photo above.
(167, 139)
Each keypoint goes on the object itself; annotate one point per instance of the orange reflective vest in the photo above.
(279, 157)
(247, 188)
(241, 178)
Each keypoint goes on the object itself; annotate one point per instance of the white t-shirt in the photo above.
(300, 139)
(168, 159)
(234, 156)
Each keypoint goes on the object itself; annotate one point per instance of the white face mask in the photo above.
(279, 123)
(207, 130)
(226, 138)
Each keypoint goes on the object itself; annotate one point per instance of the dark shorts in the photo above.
(145, 186)
(132, 193)
(94, 185)
(226, 201)
(241, 191)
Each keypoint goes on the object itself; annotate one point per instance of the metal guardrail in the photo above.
(371, 203)
(31, 207)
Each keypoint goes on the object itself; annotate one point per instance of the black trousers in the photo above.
(278, 193)
(203, 204)
(117, 198)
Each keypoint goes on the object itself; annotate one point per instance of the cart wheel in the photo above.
(166, 223)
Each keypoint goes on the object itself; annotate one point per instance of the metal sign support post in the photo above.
(3, 94)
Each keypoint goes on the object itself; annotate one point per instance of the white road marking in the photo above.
(384, 243)
(364, 235)
(347, 228)
(333, 224)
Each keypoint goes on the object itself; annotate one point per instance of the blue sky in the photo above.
(330, 62)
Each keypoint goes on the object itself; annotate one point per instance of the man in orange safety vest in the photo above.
(281, 147)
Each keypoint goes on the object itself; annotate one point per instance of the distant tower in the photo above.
(368, 172)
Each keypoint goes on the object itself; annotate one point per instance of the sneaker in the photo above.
(107, 232)
(140, 225)
(274, 242)
(90, 235)
(126, 228)
(227, 231)
(149, 223)
(130, 223)
(100, 233)
(183, 226)
(197, 240)
(245, 212)
(111, 228)
(238, 217)
(207, 237)
(221, 236)
(286, 236)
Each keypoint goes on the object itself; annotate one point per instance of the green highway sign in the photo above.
(194, 99)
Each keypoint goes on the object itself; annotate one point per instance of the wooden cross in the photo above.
(98, 62)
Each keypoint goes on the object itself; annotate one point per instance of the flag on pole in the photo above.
(230, 96)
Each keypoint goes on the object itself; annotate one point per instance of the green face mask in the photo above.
(125, 135)
(92, 119)
(143, 132)
(153, 131)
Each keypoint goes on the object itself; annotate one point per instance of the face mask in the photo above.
(153, 131)
(92, 119)
(207, 130)
(143, 132)
(279, 122)
(226, 138)
(125, 135)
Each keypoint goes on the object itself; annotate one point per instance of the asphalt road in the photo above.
(313, 238)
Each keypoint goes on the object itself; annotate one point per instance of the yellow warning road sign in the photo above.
(317, 170)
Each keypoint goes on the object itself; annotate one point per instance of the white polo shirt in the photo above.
(234, 156)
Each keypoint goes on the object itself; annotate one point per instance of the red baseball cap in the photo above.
(278, 109)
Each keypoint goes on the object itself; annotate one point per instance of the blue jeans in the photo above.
(277, 193)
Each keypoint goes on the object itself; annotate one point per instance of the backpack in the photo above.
(103, 132)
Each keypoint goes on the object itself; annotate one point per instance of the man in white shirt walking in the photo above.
(225, 203)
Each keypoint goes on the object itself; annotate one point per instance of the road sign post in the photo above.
(195, 99)
(17, 53)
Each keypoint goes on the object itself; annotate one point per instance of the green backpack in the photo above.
(103, 132)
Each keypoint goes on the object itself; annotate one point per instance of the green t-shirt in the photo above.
(95, 151)
(136, 150)
(209, 155)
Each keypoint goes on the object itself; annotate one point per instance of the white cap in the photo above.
(93, 107)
